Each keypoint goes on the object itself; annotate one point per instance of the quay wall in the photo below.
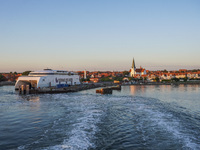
(74, 88)
(4, 83)
(160, 83)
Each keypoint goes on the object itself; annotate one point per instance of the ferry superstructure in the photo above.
(48, 78)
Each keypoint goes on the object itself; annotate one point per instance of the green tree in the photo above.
(175, 79)
(185, 79)
(131, 78)
(106, 79)
(194, 70)
(157, 79)
(165, 71)
(2, 78)
(25, 73)
(125, 73)
(118, 78)
(166, 80)
(85, 79)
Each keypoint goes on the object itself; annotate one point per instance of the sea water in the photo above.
(137, 117)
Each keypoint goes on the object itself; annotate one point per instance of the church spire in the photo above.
(133, 64)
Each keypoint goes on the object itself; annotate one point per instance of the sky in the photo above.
(99, 35)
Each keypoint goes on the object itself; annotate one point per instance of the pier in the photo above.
(24, 89)
(106, 88)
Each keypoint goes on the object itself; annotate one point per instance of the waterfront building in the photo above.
(94, 80)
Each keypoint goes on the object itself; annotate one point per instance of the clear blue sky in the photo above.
(99, 35)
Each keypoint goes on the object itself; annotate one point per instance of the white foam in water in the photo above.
(82, 133)
(83, 130)
(173, 127)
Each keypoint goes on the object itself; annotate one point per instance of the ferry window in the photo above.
(41, 73)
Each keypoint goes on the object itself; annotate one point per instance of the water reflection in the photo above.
(186, 96)
(31, 98)
(135, 89)
(143, 89)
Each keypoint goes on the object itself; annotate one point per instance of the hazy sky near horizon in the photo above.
(99, 35)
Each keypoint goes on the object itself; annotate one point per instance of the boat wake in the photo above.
(83, 132)
(107, 122)
(76, 128)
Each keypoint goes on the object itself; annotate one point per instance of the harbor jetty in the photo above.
(53, 90)
(5, 83)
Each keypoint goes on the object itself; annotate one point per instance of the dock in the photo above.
(53, 90)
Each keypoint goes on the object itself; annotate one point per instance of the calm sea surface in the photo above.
(135, 118)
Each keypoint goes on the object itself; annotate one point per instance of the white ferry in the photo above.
(48, 78)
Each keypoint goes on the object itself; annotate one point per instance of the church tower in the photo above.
(133, 73)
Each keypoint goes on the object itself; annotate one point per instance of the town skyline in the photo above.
(99, 35)
(168, 70)
(112, 70)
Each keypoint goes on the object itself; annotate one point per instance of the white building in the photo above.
(133, 68)
(137, 71)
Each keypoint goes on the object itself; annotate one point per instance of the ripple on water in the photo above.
(89, 121)
(78, 126)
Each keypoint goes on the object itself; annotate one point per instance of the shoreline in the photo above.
(7, 83)
(104, 84)
(172, 83)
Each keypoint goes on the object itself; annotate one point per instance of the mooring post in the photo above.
(22, 89)
(27, 89)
